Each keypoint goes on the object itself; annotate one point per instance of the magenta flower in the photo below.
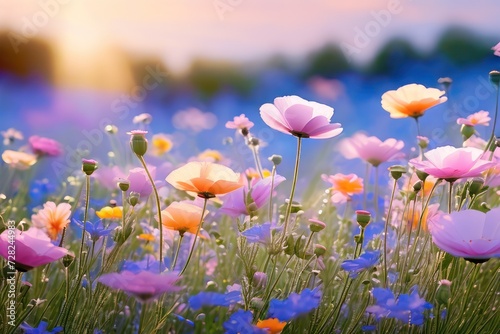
(479, 118)
(145, 286)
(240, 122)
(470, 234)
(496, 50)
(301, 118)
(32, 248)
(451, 163)
(371, 149)
(45, 146)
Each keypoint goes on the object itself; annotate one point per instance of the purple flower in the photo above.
(41, 329)
(139, 181)
(295, 305)
(236, 203)
(45, 146)
(240, 322)
(145, 286)
(408, 308)
(211, 299)
(366, 261)
(96, 230)
(260, 233)
(149, 263)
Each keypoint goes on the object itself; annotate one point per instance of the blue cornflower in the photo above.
(366, 261)
(240, 322)
(295, 305)
(408, 308)
(214, 299)
(41, 329)
(149, 263)
(96, 230)
(260, 233)
(39, 190)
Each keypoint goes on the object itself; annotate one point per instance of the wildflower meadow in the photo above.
(140, 241)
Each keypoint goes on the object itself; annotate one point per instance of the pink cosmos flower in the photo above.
(33, 248)
(479, 118)
(45, 146)
(240, 122)
(145, 286)
(301, 118)
(451, 163)
(470, 234)
(496, 50)
(371, 149)
(480, 143)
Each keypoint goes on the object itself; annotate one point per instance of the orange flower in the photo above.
(273, 325)
(161, 144)
(411, 100)
(53, 219)
(411, 217)
(183, 217)
(146, 237)
(206, 179)
(110, 212)
(18, 160)
(344, 186)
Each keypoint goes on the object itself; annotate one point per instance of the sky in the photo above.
(240, 30)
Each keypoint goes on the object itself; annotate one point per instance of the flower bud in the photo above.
(421, 175)
(89, 166)
(67, 260)
(275, 159)
(138, 142)
(423, 142)
(495, 77)
(397, 171)
(443, 292)
(417, 186)
(259, 280)
(484, 207)
(253, 141)
(111, 129)
(467, 131)
(319, 250)
(446, 82)
(316, 225)
(476, 186)
(363, 218)
(123, 184)
(244, 132)
(133, 198)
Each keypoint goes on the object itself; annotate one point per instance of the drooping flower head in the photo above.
(18, 160)
(301, 118)
(371, 149)
(45, 146)
(33, 248)
(145, 286)
(450, 163)
(344, 186)
(470, 234)
(479, 118)
(206, 179)
(411, 100)
(182, 217)
(52, 218)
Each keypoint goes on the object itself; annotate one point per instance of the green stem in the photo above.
(142, 318)
(195, 237)
(158, 206)
(87, 199)
(273, 174)
(387, 220)
(257, 160)
(177, 252)
(450, 197)
(292, 191)
(492, 137)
